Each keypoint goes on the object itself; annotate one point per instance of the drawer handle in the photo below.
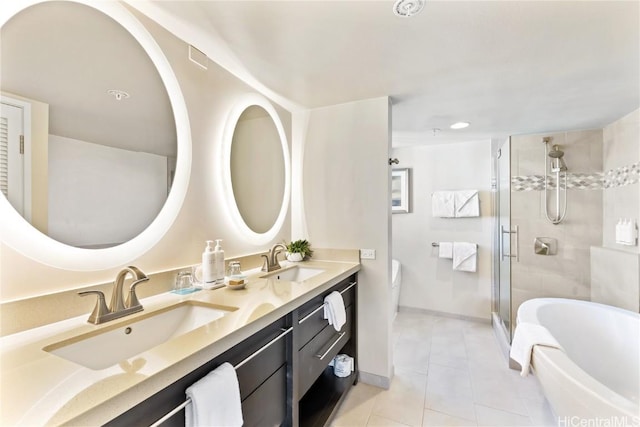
(305, 318)
(332, 345)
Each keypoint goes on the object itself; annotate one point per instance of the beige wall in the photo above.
(429, 282)
(209, 95)
(567, 274)
(346, 187)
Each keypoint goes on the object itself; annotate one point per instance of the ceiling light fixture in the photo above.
(407, 8)
(460, 125)
(118, 94)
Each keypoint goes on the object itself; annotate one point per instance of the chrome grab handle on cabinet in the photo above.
(305, 318)
(331, 347)
(503, 255)
(188, 401)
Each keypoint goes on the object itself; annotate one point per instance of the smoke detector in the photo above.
(118, 94)
(407, 8)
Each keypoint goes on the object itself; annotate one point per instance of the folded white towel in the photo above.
(464, 256)
(445, 250)
(467, 203)
(442, 204)
(215, 399)
(525, 337)
(334, 310)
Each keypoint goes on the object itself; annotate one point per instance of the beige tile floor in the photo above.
(448, 372)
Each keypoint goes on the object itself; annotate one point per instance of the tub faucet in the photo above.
(271, 259)
(119, 306)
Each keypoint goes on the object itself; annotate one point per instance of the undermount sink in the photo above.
(294, 274)
(124, 340)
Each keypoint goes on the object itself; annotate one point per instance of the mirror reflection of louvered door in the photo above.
(12, 155)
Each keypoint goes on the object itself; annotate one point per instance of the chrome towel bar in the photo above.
(254, 354)
(351, 285)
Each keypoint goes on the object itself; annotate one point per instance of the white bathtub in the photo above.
(597, 376)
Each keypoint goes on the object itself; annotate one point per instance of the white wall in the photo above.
(209, 96)
(429, 282)
(100, 196)
(346, 187)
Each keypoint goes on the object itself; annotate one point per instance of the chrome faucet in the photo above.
(119, 306)
(271, 259)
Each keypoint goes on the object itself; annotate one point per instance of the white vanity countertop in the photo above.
(39, 388)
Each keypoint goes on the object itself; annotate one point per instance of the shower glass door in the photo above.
(503, 237)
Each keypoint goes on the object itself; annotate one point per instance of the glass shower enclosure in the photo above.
(502, 238)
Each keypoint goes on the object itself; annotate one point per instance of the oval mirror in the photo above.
(105, 134)
(101, 169)
(256, 160)
(257, 169)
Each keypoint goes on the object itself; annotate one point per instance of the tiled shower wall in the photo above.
(566, 274)
(615, 268)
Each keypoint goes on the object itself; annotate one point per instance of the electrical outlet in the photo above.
(367, 253)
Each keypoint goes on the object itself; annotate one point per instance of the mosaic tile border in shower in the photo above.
(618, 177)
(575, 181)
(625, 175)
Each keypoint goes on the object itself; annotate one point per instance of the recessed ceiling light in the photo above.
(118, 94)
(407, 8)
(460, 125)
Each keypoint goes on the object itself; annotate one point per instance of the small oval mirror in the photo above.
(257, 169)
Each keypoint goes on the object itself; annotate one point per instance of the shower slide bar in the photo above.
(254, 354)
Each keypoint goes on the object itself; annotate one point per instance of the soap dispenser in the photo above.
(219, 262)
(209, 271)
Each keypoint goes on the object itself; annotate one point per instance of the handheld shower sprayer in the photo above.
(557, 165)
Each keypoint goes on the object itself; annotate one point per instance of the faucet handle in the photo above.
(100, 308)
(132, 298)
(265, 265)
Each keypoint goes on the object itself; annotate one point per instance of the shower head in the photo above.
(556, 153)
(557, 162)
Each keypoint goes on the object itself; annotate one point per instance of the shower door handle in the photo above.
(504, 255)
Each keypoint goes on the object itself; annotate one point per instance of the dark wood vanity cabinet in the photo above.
(263, 383)
(286, 381)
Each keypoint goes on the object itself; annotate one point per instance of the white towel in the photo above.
(525, 337)
(464, 256)
(215, 399)
(467, 203)
(334, 310)
(445, 250)
(442, 204)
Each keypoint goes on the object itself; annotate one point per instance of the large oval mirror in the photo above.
(256, 164)
(100, 171)
(102, 130)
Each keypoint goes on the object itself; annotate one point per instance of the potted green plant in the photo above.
(298, 250)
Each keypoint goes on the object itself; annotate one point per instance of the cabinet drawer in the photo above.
(311, 323)
(267, 405)
(316, 355)
(257, 370)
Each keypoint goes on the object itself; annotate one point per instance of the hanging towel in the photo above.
(464, 256)
(467, 203)
(442, 204)
(334, 310)
(215, 399)
(525, 337)
(445, 250)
